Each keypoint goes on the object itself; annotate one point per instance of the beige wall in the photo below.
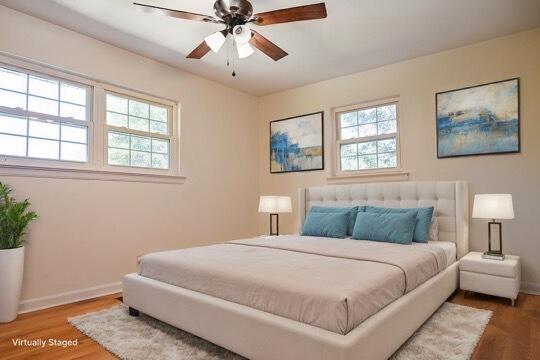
(90, 232)
(416, 82)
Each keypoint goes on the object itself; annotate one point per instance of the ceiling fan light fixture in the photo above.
(244, 50)
(241, 34)
(215, 41)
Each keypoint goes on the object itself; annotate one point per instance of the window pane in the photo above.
(136, 123)
(140, 143)
(367, 116)
(158, 127)
(12, 145)
(387, 112)
(388, 160)
(386, 145)
(119, 140)
(118, 157)
(43, 87)
(44, 129)
(73, 152)
(349, 163)
(348, 119)
(387, 127)
(43, 149)
(43, 106)
(137, 108)
(160, 146)
(158, 113)
(349, 133)
(117, 104)
(160, 161)
(72, 111)
(12, 80)
(115, 119)
(367, 162)
(74, 133)
(73, 94)
(349, 150)
(367, 148)
(13, 125)
(140, 159)
(12, 100)
(367, 130)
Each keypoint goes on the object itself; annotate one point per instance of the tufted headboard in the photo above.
(449, 198)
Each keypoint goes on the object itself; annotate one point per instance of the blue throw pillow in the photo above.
(350, 211)
(423, 219)
(394, 228)
(326, 224)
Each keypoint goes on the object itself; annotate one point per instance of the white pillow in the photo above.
(434, 229)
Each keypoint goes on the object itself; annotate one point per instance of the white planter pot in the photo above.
(11, 276)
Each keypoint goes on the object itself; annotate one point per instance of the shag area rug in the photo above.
(451, 333)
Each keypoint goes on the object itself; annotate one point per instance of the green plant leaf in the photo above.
(14, 219)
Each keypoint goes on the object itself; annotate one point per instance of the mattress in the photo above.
(334, 284)
(449, 249)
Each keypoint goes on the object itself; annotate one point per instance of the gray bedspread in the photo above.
(334, 284)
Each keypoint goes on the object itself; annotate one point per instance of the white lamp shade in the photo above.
(215, 41)
(275, 204)
(493, 206)
(241, 34)
(244, 50)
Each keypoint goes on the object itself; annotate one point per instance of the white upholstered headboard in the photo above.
(449, 198)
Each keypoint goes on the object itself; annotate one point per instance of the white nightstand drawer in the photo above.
(473, 262)
(489, 284)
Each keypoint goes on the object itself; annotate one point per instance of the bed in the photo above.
(294, 297)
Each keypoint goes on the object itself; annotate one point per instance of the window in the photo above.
(43, 117)
(367, 137)
(138, 132)
(57, 124)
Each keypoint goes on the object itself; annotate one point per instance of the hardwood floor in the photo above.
(513, 333)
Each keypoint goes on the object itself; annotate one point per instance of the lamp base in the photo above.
(272, 232)
(493, 255)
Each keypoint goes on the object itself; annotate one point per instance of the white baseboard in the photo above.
(530, 288)
(69, 297)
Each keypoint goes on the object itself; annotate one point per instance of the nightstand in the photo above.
(493, 277)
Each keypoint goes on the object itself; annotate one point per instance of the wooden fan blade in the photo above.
(174, 13)
(199, 51)
(203, 48)
(266, 46)
(299, 13)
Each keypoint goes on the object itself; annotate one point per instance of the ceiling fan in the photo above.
(235, 14)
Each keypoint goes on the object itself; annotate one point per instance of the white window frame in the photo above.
(89, 124)
(171, 127)
(337, 172)
(96, 168)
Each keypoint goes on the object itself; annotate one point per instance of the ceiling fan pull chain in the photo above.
(234, 62)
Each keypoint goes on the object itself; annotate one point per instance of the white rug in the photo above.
(450, 334)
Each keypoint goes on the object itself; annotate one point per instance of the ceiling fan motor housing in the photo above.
(233, 12)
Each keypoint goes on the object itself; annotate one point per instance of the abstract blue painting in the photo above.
(296, 144)
(479, 120)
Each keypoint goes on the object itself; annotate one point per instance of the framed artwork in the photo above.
(479, 120)
(296, 144)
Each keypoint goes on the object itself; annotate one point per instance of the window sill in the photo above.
(396, 175)
(87, 174)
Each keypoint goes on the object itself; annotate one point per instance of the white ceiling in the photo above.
(357, 35)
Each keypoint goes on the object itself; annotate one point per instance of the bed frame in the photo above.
(256, 334)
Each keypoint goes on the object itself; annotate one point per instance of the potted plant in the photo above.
(14, 219)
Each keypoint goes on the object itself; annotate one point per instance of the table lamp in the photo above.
(493, 206)
(274, 205)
